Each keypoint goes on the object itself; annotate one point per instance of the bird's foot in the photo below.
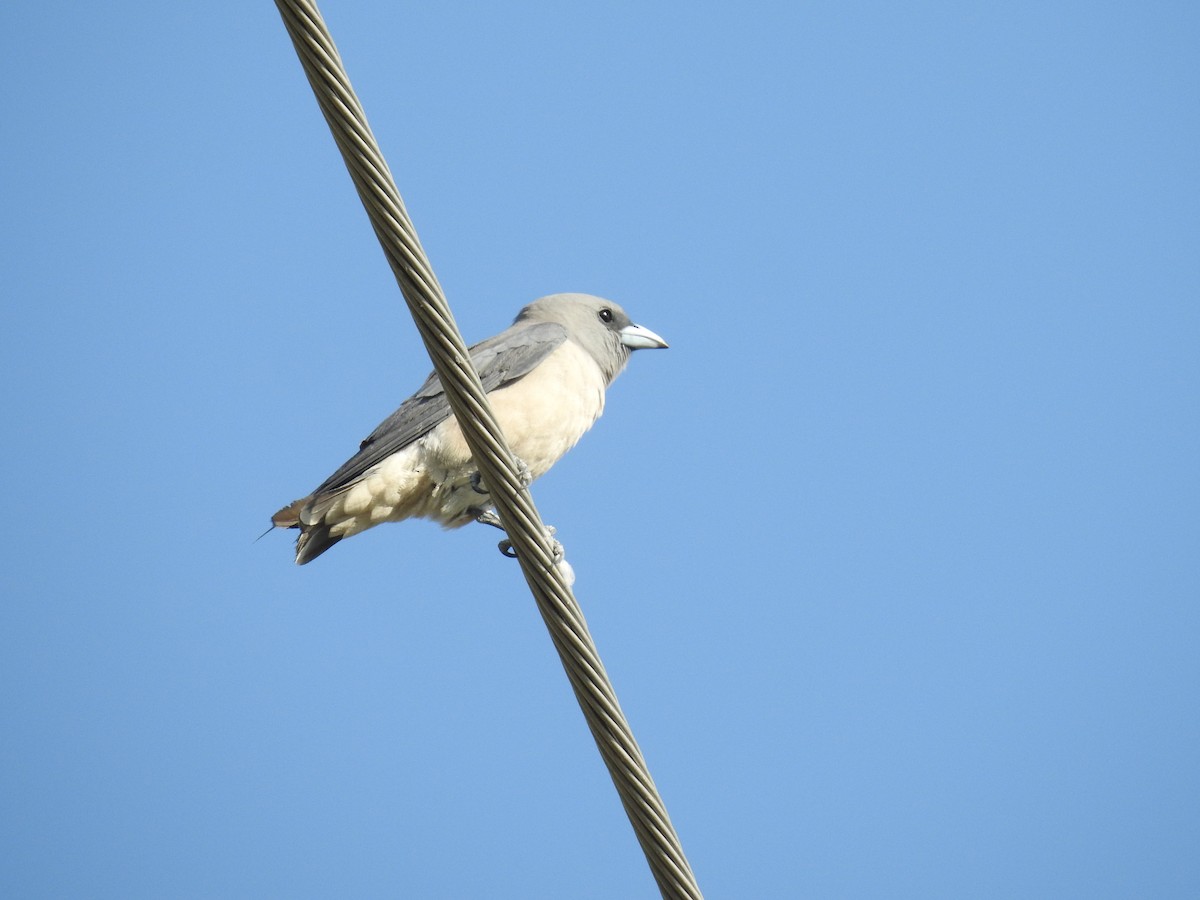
(558, 555)
(557, 552)
(490, 517)
(523, 475)
(556, 548)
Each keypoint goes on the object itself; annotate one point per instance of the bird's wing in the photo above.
(500, 360)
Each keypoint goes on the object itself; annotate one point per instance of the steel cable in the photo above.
(514, 504)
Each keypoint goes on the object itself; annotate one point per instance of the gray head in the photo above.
(599, 326)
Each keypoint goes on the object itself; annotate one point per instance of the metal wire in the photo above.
(514, 505)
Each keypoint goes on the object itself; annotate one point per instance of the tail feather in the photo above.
(313, 541)
(289, 516)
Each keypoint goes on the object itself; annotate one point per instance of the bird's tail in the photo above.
(313, 540)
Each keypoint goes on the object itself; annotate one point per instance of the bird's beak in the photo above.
(635, 337)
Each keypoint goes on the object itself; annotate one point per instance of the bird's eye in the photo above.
(606, 315)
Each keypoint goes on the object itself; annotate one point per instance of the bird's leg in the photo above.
(488, 517)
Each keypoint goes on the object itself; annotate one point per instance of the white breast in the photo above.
(546, 413)
(543, 415)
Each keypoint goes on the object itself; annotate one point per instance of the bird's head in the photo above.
(599, 326)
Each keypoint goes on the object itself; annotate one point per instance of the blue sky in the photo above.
(893, 556)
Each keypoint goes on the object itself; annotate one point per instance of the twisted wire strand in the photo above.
(423, 294)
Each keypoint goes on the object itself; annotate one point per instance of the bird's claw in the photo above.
(558, 554)
(523, 474)
(489, 516)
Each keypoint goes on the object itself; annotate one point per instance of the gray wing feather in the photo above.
(500, 360)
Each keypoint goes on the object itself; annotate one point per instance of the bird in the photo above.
(545, 376)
